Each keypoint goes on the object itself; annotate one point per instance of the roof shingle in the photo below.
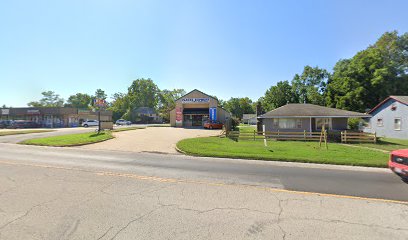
(310, 110)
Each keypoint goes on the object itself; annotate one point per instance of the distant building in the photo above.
(249, 119)
(389, 118)
(146, 115)
(307, 117)
(53, 116)
(195, 108)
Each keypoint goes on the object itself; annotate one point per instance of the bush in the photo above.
(234, 123)
(353, 123)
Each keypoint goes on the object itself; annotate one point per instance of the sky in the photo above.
(221, 47)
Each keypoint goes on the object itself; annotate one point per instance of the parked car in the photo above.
(398, 163)
(213, 125)
(90, 123)
(123, 122)
(5, 123)
(24, 124)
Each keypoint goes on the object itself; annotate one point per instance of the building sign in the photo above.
(179, 115)
(213, 114)
(99, 102)
(5, 111)
(33, 112)
(195, 100)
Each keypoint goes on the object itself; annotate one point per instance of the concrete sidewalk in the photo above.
(151, 139)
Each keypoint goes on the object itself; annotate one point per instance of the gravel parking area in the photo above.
(152, 139)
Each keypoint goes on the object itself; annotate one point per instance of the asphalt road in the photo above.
(71, 193)
(352, 181)
(57, 132)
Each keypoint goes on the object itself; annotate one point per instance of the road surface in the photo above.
(72, 193)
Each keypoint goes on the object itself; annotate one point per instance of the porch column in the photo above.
(310, 125)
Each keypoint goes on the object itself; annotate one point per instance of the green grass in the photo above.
(70, 139)
(293, 151)
(12, 132)
(387, 144)
(246, 128)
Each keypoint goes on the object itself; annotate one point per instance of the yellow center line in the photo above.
(175, 180)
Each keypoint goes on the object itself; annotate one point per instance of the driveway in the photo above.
(151, 139)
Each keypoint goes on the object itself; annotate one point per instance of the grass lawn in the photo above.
(12, 132)
(387, 144)
(293, 151)
(246, 128)
(70, 139)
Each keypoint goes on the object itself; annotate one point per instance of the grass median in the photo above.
(15, 132)
(70, 139)
(291, 151)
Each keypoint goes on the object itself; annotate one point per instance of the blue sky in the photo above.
(224, 48)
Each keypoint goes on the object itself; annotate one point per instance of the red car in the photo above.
(398, 163)
(213, 125)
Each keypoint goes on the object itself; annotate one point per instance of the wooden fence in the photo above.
(352, 137)
(296, 136)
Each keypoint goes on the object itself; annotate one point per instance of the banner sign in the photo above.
(213, 114)
(33, 111)
(179, 115)
(5, 111)
(195, 100)
(99, 102)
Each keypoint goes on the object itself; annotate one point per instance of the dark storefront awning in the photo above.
(196, 111)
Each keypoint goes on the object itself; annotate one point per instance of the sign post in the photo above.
(100, 104)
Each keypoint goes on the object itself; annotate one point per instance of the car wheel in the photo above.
(86, 125)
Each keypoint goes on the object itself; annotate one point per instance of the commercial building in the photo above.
(195, 108)
(53, 116)
(307, 117)
(389, 118)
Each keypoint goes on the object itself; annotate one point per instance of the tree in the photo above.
(100, 94)
(79, 100)
(49, 99)
(143, 93)
(239, 106)
(371, 75)
(309, 87)
(167, 101)
(120, 106)
(279, 95)
(4, 106)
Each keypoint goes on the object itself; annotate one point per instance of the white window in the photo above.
(323, 121)
(397, 124)
(289, 123)
(275, 123)
(380, 122)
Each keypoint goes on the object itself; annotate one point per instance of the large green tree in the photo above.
(79, 100)
(49, 99)
(239, 106)
(100, 94)
(120, 106)
(310, 86)
(167, 101)
(143, 93)
(371, 75)
(279, 95)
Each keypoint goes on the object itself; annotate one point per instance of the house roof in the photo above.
(248, 116)
(196, 90)
(401, 99)
(300, 110)
(144, 110)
